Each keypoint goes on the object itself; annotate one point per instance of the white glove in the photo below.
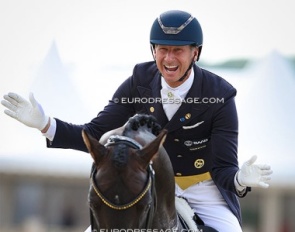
(29, 113)
(252, 175)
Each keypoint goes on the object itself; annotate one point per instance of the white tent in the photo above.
(24, 150)
(55, 89)
(266, 108)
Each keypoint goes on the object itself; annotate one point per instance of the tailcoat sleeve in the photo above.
(224, 140)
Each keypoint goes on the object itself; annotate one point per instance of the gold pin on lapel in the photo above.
(152, 109)
(187, 116)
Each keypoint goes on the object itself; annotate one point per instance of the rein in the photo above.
(150, 185)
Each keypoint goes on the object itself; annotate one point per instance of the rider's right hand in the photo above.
(29, 113)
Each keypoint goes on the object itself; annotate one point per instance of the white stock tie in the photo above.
(172, 97)
(170, 101)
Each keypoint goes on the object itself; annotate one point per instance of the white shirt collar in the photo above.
(183, 89)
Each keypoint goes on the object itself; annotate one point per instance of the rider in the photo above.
(202, 135)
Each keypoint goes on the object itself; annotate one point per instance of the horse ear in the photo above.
(96, 149)
(150, 150)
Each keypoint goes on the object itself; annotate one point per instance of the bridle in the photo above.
(150, 185)
(124, 206)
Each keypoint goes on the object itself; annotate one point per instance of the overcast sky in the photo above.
(92, 33)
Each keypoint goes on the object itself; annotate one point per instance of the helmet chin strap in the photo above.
(186, 72)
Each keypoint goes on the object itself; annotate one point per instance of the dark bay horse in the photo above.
(132, 183)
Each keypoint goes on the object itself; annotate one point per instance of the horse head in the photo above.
(123, 192)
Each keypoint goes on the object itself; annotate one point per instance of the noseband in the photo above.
(115, 140)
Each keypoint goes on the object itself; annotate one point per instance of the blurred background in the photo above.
(73, 55)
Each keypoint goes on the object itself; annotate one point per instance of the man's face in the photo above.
(173, 61)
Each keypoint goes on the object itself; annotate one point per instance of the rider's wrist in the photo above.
(240, 189)
(238, 181)
(45, 129)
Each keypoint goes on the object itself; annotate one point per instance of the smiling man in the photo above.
(202, 135)
(175, 62)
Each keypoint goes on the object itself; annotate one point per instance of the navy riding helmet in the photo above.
(177, 28)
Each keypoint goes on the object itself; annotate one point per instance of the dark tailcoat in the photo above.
(204, 128)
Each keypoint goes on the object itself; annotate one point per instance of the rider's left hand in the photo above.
(254, 175)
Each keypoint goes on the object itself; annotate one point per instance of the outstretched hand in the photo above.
(254, 175)
(29, 113)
